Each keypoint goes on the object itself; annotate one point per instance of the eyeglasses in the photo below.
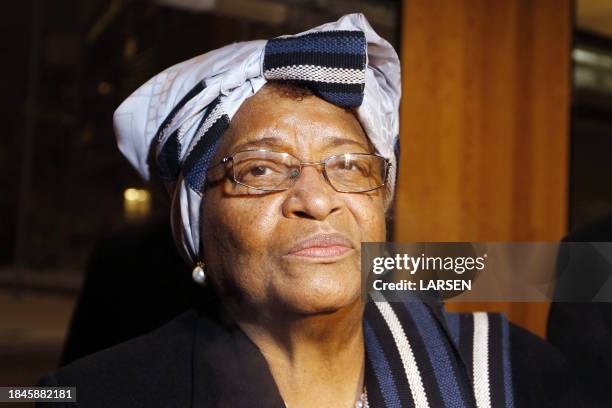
(266, 170)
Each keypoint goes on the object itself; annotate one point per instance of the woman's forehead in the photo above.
(282, 142)
(279, 122)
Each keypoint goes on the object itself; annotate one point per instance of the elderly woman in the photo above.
(280, 157)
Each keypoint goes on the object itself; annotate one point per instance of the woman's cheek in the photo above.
(251, 222)
(369, 214)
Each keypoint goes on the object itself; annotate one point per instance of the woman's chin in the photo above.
(319, 297)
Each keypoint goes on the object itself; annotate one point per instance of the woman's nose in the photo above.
(311, 196)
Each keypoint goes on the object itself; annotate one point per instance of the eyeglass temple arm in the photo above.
(217, 172)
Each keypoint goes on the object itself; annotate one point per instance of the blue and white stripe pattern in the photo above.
(168, 158)
(419, 356)
(331, 63)
(204, 145)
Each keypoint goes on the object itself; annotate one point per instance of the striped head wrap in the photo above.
(175, 121)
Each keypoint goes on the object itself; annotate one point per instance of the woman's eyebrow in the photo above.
(340, 141)
(275, 142)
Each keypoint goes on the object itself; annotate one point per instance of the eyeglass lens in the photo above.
(274, 171)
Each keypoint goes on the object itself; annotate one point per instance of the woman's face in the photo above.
(250, 239)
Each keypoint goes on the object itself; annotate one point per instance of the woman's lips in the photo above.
(322, 246)
(322, 252)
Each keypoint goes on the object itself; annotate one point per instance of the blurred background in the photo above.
(506, 136)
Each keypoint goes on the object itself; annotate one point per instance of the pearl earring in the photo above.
(198, 274)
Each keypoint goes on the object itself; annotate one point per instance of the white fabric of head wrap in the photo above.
(174, 121)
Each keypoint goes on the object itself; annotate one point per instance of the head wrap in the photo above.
(175, 121)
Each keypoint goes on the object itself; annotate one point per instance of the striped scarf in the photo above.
(420, 356)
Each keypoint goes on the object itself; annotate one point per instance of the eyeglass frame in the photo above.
(227, 159)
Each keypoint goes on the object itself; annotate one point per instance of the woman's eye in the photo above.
(353, 166)
(258, 171)
(345, 165)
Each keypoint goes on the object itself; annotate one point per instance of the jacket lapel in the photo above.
(228, 368)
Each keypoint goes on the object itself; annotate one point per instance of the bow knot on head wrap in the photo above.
(180, 115)
(331, 63)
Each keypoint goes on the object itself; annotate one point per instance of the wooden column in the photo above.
(484, 126)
